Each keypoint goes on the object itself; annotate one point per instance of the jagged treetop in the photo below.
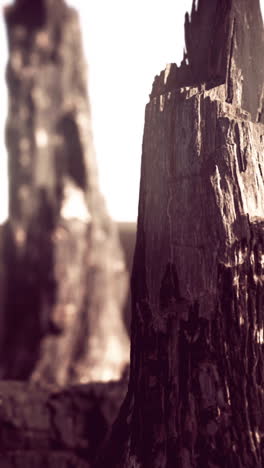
(224, 45)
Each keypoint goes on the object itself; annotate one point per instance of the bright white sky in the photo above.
(126, 44)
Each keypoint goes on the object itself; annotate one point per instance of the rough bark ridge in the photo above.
(195, 397)
(65, 274)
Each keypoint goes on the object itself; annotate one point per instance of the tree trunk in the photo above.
(195, 397)
(64, 268)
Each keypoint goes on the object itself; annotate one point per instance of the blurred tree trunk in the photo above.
(195, 397)
(65, 276)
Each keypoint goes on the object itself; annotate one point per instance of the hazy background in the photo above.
(126, 44)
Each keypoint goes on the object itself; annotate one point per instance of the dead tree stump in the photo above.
(195, 397)
(64, 269)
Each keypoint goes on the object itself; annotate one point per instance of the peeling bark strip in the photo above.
(65, 274)
(196, 390)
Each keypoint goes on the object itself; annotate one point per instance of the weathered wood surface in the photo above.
(195, 397)
(65, 276)
(54, 428)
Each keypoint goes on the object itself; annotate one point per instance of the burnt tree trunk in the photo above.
(195, 397)
(64, 269)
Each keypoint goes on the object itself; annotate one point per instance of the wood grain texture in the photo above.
(195, 397)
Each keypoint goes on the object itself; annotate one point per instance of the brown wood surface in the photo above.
(195, 397)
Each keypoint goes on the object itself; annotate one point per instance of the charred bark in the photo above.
(195, 397)
(65, 276)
